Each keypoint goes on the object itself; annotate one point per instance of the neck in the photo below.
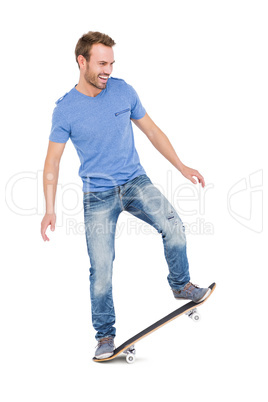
(87, 89)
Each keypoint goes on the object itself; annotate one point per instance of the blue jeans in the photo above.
(101, 211)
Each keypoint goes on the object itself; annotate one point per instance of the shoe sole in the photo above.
(104, 355)
(196, 301)
(204, 297)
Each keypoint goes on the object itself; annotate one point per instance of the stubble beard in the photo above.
(92, 79)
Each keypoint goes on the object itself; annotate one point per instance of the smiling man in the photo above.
(97, 116)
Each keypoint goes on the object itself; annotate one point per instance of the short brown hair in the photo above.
(86, 42)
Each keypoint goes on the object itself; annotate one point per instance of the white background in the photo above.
(200, 69)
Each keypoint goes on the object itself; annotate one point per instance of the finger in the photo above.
(192, 176)
(45, 238)
(200, 179)
(43, 233)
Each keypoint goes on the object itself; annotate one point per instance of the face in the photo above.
(100, 66)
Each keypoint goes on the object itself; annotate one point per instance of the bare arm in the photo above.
(50, 181)
(161, 142)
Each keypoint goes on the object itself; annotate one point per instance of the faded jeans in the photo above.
(101, 211)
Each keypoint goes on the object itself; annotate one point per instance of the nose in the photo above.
(108, 70)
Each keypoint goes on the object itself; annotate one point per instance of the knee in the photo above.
(101, 274)
(174, 230)
(100, 280)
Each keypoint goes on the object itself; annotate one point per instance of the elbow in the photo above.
(153, 133)
(51, 164)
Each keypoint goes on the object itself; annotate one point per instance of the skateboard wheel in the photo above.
(130, 358)
(195, 317)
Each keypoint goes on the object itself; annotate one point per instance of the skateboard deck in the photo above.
(128, 346)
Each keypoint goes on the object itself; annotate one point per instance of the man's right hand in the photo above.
(50, 177)
(48, 220)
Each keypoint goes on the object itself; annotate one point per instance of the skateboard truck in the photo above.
(194, 314)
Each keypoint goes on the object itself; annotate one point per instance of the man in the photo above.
(96, 115)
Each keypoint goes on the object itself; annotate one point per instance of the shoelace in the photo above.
(107, 340)
(188, 288)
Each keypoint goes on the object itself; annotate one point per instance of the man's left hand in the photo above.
(191, 173)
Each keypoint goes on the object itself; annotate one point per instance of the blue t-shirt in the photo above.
(101, 131)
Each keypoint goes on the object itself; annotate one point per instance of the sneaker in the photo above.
(192, 292)
(105, 348)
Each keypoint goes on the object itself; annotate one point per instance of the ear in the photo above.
(81, 61)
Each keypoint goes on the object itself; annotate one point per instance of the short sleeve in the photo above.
(60, 130)
(137, 110)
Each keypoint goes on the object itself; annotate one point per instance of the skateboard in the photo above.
(190, 309)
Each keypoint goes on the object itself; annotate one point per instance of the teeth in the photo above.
(104, 78)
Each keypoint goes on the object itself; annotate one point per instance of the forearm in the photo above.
(161, 142)
(50, 181)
